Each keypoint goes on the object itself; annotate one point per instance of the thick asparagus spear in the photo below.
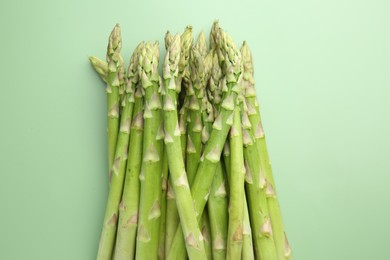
(193, 238)
(128, 210)
(114, 62)
(236, 184)
(282, 247)
(212, 152)
(150, 176)
(182, 79)
(116, 185)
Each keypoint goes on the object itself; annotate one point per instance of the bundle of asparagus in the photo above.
(179, 140)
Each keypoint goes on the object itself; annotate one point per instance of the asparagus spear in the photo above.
(199, 72)
(212, 152)
(128, 210)
(236, 184)
(247, 244)
(116, 185)
(100, 67)
(114, 62)
(182, 79)
(191, 232)
(282, 247)
(150, 176)
(217, 204)
(206, 233)
(163, 222)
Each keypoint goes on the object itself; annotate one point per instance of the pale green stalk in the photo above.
(163, 223)
(206, 233)
(212, 152)
(255, 190)
(217, 204)
(282, 247)
(114, 61)
(150, 176)
(128, 209)
(236, 189)
(108, 234)
(182, 79)
(199, 76)
(191, 231)
(247, 244)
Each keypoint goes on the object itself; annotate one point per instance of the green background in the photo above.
(323, 79)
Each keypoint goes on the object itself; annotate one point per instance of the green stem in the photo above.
(191, 231)
(150, 176)
(217, 206)
(163, 223)
(107, 239)
(128, 210)
(206, 233)
(283, 249)
(247, 244)
(113, 82)
(236, 184)
(212, 151)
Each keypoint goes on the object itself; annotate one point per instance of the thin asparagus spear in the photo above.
(163, 222)
(128, 209)
(282, 247)
(212, 152)
(182, 79)
(107, 239)
(150, 176)
(191, 232)
(114, 62)
(100, 67)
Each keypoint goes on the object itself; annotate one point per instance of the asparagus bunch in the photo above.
(189, 168)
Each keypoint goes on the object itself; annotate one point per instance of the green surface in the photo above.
(323, 79)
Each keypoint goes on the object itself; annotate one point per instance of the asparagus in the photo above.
(106, 244)
(282, 247)
(100, 67)
(247, 244)
(199, 71)
(163, 222)
(217, 204)
(218, 214)
(128, 210)
(212, 152)
(191, 232)
(236, 184)
(150, 176)
(182, 79)
(206, 233)
(114, 62)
